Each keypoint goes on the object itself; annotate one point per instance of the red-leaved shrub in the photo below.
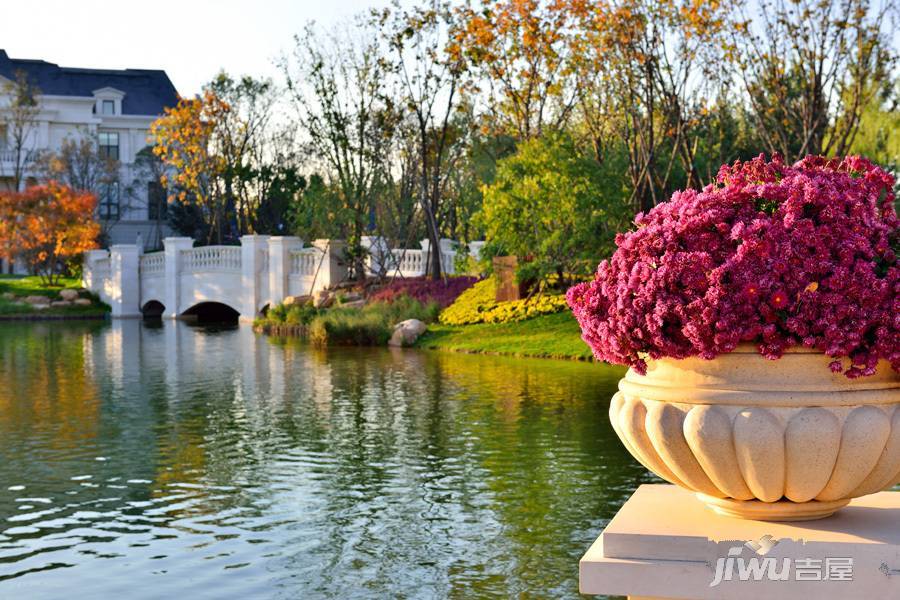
(425, 290)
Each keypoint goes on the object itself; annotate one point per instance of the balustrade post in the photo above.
(334, 266)
(172, 247)
(88, 277)
(448, 256)
(125, 288)
(251, 295)
(280, 248)
(426, 257)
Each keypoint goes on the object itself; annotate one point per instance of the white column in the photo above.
(172, 246)
(88, 278)
(125, 289)
(280, 248)
(448, 256)
(334, 266)
(252, 249)
(426, 256)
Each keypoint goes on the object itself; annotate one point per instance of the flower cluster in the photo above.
(478, 304)
(772, 254)
(444, 292)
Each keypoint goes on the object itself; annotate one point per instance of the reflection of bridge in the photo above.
(262, 271)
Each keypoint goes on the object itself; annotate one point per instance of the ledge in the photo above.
(664, 543)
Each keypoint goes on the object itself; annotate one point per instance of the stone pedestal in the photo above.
(664, 543)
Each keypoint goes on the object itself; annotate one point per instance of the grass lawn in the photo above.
(20, 287)
(549, 336)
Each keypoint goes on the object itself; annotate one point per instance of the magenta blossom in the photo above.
(776, 255)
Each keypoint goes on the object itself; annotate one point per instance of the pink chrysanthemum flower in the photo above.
(777, 255)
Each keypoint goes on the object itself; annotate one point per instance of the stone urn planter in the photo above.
(782, 440)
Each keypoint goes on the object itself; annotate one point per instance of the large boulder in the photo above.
(407, 332)
(68, 294)
(323, 299)
(37, 300)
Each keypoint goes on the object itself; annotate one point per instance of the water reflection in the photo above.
(147, 460)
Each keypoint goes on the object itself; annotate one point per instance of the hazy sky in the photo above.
(190, 39)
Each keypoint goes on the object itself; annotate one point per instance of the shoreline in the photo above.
(39, 317)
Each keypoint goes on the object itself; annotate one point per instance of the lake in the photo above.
(148, 460)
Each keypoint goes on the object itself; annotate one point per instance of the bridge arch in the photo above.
(211, 312)
(153, 309)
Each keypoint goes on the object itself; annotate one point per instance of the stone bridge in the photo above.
(261, 272)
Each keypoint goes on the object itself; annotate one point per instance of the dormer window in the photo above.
(108, 101)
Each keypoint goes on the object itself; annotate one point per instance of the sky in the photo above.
(190, 39)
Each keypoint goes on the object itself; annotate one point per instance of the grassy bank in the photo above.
(14, 288)
(371, 325)
(550, 336)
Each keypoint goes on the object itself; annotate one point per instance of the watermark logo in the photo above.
(735, 567)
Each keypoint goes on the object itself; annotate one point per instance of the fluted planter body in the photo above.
(760, 439)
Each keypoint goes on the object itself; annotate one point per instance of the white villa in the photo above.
(113, 107)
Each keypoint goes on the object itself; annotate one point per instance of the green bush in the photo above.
(300, 314)
(349, 328)
(554, 203)
(371, 325)
(277, 313)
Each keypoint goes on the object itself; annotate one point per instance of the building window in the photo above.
(109, 145)
(109, 201)
(108, 107)
(156, 201)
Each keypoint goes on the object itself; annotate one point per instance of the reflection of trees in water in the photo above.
(499, 471)
(45, 364)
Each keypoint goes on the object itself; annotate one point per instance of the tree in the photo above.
(338, 84)
(19, 118)
(554, 205)
(148, 181)
(184, 141)
(223, 152)
(46, 225)
(429, 67)
(648, 71)
(79, 164)
(810, 69)
(521, 50)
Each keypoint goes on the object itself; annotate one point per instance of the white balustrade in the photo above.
(153, 264)
(211, 258)
(305, 262)
(408, 262)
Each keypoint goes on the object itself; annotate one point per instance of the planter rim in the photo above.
(744, 377)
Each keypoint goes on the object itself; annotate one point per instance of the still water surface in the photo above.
(151, 461)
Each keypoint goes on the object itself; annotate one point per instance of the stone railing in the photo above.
(211, 258)
(305, 262)
(153, 264)
(407, 262)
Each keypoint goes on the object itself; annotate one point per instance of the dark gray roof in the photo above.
(147, 91)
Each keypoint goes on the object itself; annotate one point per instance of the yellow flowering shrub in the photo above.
(477, 305)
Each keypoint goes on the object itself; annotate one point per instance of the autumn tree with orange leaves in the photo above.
(47, 225)
(522, 52)
(185, 142)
